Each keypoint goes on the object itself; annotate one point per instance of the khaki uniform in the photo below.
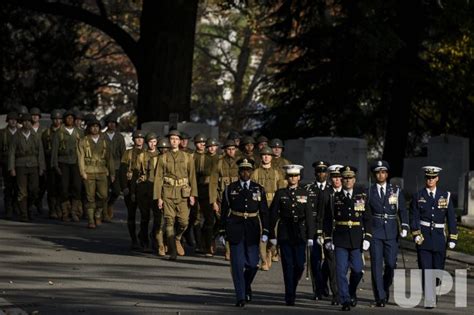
(64, 161)
(117, 147)
(52, 177)
(128, 181)
(26, 157)
(271, 180)
(175, 183)
(9, 190)
(278, 163)
(95, 161)
(253, 156)
(146, 165)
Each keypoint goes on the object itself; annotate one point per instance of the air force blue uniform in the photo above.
(387, 207)
(244, 219)
(352, 224)
(429, 215)
(292, 221)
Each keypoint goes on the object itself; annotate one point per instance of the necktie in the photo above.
(382, 194)
(246, 186)
(320, 186)
(431, 195)
(349, 195)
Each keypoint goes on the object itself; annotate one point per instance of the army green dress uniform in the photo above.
(26, 159)
(162, 146)
(64, 161)
(117, 146)
(272, 180)
(95, 164)
(52, 177)
(175, 183)
(146, 165)
(9, 190)
(128, 179)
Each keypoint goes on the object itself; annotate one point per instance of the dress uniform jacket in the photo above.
(244, 213)
(291, 215)
(321, 204)
(352, 220)
(385, 212)
(429, 217)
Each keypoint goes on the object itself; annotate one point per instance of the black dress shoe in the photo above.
(240, 303)
(380, 303)
(354, 301)
(346, 306)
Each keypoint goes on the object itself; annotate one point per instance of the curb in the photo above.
(450, 254)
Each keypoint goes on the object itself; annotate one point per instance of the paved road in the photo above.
(50, 267)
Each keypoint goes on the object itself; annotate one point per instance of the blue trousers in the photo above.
(319, 285)
(243, 261)
(383, 252)
(346, 258)
(428, 259)
(292, 260)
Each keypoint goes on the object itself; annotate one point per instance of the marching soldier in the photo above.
(6, 135)
(193, 233)
(79, 119)
(64, 161)
(271, 180)
(387, 204)
(159, 222)
(247, 146)
(26, 163)
(431, 209)
(291, 216)
(128, 179)
(319, 195)
(205, 205)
(95, 164)
(183, 144)
(351, 234)
(35, 113)
(175, 189)
(52, 177)
(116, 143)
(262, 142)
(278, 160)
(244, 224)
(226, 172)
(147, 161)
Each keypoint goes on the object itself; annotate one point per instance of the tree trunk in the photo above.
(165, 72)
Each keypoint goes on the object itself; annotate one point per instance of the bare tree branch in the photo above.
(216, 58)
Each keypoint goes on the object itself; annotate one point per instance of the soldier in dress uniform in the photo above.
(351, 234)
(147, 161)
(271, 180)
(388, 206)
(128, 179)
(26, 163)
(53, 187)
(319, 195)
(6, 135)
(244, 224)
(292, 228)
(175, 190)
(278, 160)
(431, 209)
(226, 172)
(95, 165)
(64, 162)
(116, 143)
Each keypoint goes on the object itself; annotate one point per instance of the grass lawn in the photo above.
(465, 240)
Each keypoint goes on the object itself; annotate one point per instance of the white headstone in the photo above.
(468, 219)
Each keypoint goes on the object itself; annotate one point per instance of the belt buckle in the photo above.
(246, 215)
(349, 223)
(433, 225)
(385, 215)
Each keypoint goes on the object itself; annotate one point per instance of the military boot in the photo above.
(160, 243)
(263, 256)
(66, 210)
(172, 247)
(269, 258)
(179, 248)
(110, 212)
(76, 210)
(90, 218)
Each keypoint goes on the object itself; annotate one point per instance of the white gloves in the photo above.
(365, 245)
(329, 246)
(451, 245)
(309, 242)
(320, 240)
(404, 233)
(222, 240)
(264, 238)
(418, 239)
(273, 241)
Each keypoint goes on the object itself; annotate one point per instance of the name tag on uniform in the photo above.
(257, 196)
(393, 199)
(359, 205)
(302, 199)
(234, 192)
(442, 202)
(422, 200)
